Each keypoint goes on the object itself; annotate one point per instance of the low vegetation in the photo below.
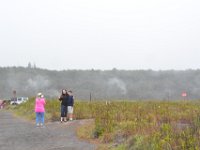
(133, 125)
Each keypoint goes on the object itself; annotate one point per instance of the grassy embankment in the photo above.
(155, 125)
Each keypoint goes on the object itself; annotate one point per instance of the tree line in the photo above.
(101, 84)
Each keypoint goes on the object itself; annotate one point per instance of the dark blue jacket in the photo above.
(70, 100)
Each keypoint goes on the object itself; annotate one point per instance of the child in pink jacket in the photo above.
(40, 109)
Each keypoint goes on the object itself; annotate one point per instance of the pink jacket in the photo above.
(39, 105)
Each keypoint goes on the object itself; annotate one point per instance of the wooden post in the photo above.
(90, 97)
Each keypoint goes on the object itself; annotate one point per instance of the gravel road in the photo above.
(19, 134)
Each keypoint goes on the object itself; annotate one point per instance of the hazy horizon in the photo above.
(96, 69)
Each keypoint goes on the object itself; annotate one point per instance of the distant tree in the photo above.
(34, 66)
(29, 65)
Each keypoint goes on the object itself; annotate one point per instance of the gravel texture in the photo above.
(19, 134)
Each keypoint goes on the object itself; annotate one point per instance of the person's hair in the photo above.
(63, 91)
(66, 92)
(39, 94)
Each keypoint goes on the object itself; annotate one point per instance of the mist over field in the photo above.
(107, 84)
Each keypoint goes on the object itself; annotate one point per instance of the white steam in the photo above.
(117, 83)
(38, 82)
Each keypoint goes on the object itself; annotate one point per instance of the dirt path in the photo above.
(18, 134)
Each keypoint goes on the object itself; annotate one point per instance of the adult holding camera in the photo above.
(40, 109)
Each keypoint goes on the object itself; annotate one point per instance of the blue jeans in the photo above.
(39, 117)
(63, 111)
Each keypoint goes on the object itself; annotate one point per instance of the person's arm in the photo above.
(60, 98)
(72, 100)
(44, 102)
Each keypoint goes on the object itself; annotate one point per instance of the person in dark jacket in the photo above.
(70, 105)
(64, 103)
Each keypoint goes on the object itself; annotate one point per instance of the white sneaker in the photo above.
(61, 119)
(42, 125)
(65, 119)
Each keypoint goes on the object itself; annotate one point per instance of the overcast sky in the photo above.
(100, 34)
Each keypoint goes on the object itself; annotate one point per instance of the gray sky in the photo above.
(100, 34)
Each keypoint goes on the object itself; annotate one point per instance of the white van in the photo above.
(18, 100)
